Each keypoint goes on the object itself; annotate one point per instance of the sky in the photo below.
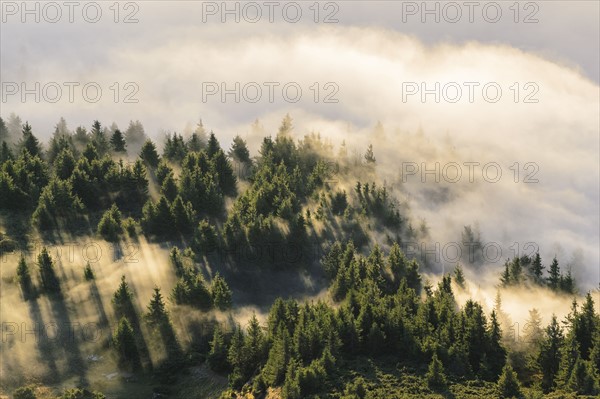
(512, 84)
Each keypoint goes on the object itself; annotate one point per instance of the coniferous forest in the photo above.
(303, 231)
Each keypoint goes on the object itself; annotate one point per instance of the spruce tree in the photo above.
(29, 142)
(88, 273)
(157, 314)
(99, 138)
(217, 357)
(459, 276)
(122, 300)
(554, 275)
(48, 278)
(117, 142)
(149, 155)
(239, 151)
(537, 269)
(123, 341)
(221, 294)
(508, 384)
(435, 376)
(550, 354)
(24, 279)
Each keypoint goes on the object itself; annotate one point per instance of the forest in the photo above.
(378, 323)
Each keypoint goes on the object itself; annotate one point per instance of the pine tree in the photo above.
(123, 341)
(48, 277)
(567, 284)
(255, 346)
(88, 273)
(169, 187)
(585, 326)
(64, 165)
(226, 177)
(279, 357)
(157, 313)
(122, 300)
(516, 271)
(550, 354)
(99, 138)
(221, 294)
(110, 226)
(369, 156)
(496, 354)
(533, 328)
(217, 357)
(582, 380)
(505, 279)
(213, 145)
(29, 142)
(5, 153)
(459, 276)
(435, 376)
(537, 269)
(117, 142)
(239, 150)
(508, 384)
(149, 155)
(3, 131)
(554, 275)
(236, 357)
(24, 279)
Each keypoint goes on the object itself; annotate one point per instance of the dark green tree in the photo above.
(110, 226)
(99, 138)
(117, 142)
(29, 142)
(88, 273)
(550, 354)
(24, 279)
(220, 292)
(122, 301)
(436, 379)
(48, 278)
(508, 384)
(123, 341)
(217, 357)
(149, 155)
(554, 275)
(537, 269)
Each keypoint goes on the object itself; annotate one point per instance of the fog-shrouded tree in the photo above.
(221, 293)
(122, 301)
(110, 226)
(24, 279)
(3, 131)
(123, 341)
(49, 280)
(554, 275)
(98, 137)
(149, 155)
(29, 142)
(217, 357)
(117, 142)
